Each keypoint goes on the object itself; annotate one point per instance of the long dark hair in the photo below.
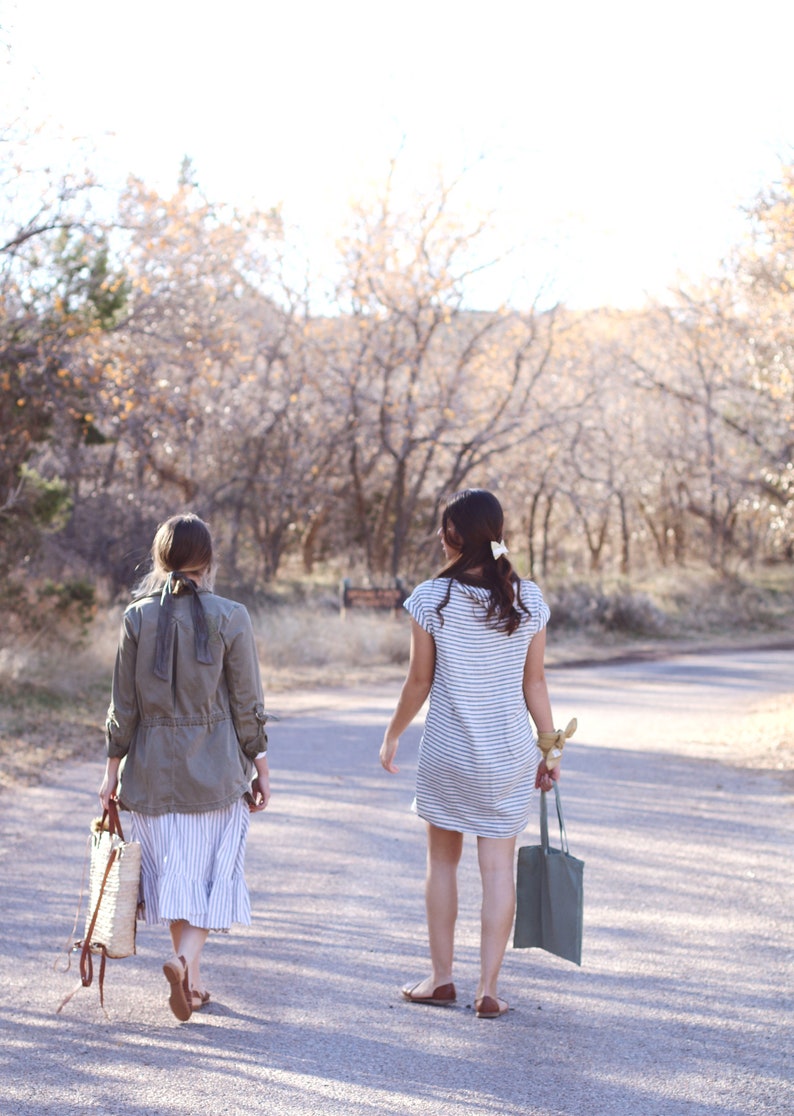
(470, 522)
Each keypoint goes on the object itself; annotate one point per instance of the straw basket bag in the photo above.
(113, 884)
(114, 881)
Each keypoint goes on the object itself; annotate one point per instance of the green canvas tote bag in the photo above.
(549, 893)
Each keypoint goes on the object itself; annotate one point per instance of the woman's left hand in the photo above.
(388, 750)
(545, 779)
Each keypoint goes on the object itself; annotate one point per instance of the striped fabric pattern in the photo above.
(478, 754)
(192, 866)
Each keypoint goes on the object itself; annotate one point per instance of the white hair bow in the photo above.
(499, 548)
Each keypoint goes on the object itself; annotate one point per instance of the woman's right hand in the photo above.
(110, 781)
(108, 790)
(546, 778)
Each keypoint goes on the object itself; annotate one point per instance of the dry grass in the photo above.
(317, 647)
(53, 701)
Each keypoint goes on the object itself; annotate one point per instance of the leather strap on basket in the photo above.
(86, 963)
(86, 960)
(114, 821)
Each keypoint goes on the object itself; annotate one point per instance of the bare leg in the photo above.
(193, 941)
(444, 847)
(188, 942)
(177, 928)
(495, 856)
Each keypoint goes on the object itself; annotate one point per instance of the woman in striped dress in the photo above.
(185, 734)
(478, 636)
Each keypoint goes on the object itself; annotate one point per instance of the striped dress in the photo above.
(192, 867)
(478, 754)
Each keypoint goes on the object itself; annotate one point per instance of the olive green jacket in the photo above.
(187, 741)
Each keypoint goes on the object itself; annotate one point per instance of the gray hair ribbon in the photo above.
(163, 651)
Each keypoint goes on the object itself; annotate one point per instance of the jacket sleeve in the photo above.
(244, 682)
(123, 714)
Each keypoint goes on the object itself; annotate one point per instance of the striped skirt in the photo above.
(192, 867)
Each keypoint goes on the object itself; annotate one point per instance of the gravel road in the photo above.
(682, 1006)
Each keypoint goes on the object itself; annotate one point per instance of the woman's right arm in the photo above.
(413, 694)
(536, 693)
(123, 715)
(110, 782)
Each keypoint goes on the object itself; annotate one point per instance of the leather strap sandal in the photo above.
(180, 998)
(489, 1008)
(442, 996)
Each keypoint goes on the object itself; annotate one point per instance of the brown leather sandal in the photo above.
(489, 1008)
(198, 1000)
(442, 996)
(180, 998)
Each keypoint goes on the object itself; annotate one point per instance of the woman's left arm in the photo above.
(536, 696)
(413, 694)
(261, 785)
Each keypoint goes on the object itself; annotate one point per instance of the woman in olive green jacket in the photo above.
(185, 734)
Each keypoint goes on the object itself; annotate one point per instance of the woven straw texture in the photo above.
(115, 924)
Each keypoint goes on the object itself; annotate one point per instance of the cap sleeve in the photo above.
(533, 600)
(421, 606)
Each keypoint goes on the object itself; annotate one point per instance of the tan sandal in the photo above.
(198, 1000)
(180, 998)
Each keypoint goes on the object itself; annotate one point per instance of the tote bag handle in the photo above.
(113, 819)
(544, 821)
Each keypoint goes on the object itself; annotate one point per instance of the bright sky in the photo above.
(619, 137)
